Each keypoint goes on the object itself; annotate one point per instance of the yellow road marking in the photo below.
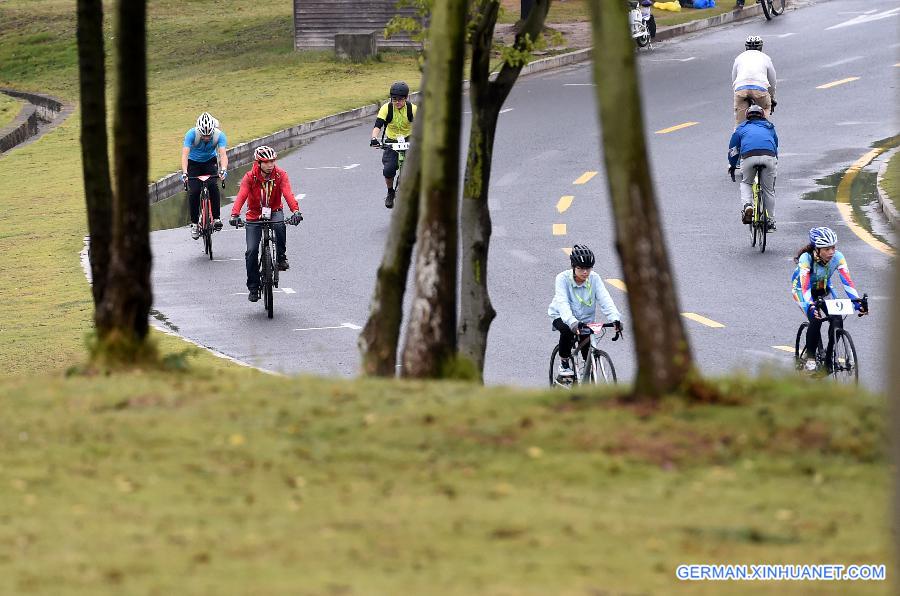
(784, 348)
(898, 64)
(617, 283)
(559, 229)
(702, 320)
(585, 177)
(564, 203)
(676, 127)
(567, 250)
(836, 83)
(845, 209)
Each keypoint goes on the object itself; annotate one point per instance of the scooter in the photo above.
(639, 18)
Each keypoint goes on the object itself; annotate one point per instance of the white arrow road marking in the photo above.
(578, 84)
(867, 18)
(341, 326)
(349, 167)
(788, 349)
(507, 110)
(675, 59)
(287, 291)
(226, 260)
(353, 165)
(783, 35)
(839, 62)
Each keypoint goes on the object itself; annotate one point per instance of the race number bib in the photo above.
(266, 213)
(839, 307)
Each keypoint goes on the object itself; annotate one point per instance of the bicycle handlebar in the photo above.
(863, 304)
(584, 329)
(203, 181)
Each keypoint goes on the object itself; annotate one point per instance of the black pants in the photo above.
(814, 335)
(566, 339)
(390, 161)
(254, 236)
(202, 168)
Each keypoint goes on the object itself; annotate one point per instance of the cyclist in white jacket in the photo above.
(579, 291)
(753, 80)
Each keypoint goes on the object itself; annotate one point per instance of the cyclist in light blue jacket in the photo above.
(579, 292)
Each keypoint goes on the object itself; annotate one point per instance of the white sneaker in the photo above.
(564, 372)
(810, 365)
(195, 231)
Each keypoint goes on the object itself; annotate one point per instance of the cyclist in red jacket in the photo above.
(262, 189)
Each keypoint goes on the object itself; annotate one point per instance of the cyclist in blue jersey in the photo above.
(579, 291)
(816, 263)
(203, 153)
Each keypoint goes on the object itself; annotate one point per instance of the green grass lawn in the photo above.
(168, 483)
(9, 109)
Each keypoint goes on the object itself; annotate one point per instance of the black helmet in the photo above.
(399, 89)
(755, 111)
(581, 256)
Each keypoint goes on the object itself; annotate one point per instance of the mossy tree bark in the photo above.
(486, 98)
(379, 337)
(430, 347)
(663, 354)
(122, 321)
(894, 393)
(94, 148)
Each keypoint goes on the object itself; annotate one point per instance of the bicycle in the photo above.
(401, 147)
(268, 271)
(589, 363)
(772, 8)
(205, 224)
(843, 364)
(759, 225)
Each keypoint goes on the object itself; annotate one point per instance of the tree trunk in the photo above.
(663, 355)
(430, 347)
(486, 98)
(894, 404)
(94, 155)
(378, 340)
(128, 297)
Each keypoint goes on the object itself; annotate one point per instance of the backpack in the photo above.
(214, 140)
(390, 114)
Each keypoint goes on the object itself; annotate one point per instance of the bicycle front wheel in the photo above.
(767, 9)
(777, 7)
(207, 242)
(602, 370)
(844, 366)
(267, 281)
(800, 348)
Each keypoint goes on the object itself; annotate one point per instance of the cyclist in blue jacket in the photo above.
(202, 153)
(755, 143)
(579, 291)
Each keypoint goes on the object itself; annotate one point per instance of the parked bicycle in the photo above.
(842, 362)
(206, 222)
(268, 269)
(590, 363)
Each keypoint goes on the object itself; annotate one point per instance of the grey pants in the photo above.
(766, 180)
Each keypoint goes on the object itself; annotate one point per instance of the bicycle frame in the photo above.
(401, 147)
(585, 354)
(268, 270)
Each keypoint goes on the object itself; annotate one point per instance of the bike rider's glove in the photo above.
(223, 174)
(235, 221)
(184, 179)
(731, 170)
(374, 142)
(774, 103)
(295, 219)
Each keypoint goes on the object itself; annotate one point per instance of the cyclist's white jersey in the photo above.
(573, 303)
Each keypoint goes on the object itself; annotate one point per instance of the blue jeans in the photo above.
(254, 237)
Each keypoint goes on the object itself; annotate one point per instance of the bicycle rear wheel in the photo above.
(763, 232)
(602, 370)
(777, 7)
(767, 9)
(844, 366)
(207, 241)
(800, 349)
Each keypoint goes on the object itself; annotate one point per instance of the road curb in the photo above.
(39, 115)
(888, 206)
(294, 136)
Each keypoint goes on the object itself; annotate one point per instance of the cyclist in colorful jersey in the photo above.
(395, 118)
(262, 188)
(203, 153)
(579, 291)
(816, 263)
(753, 80)
(755, 143)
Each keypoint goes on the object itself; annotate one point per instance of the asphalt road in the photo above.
(547, 140)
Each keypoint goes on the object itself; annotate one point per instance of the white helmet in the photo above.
(206, 124)
(264, 153)
(754, 42)
(822, 237)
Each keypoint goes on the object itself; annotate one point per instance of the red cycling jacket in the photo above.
(252, 191)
